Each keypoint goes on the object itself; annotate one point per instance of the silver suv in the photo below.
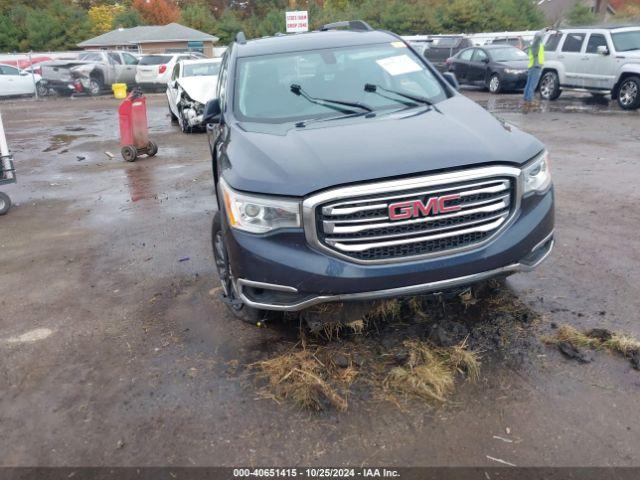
(602, 61)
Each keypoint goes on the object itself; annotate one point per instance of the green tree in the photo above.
(227, 27)
(581, 15)
(127, 19)
(198, 16)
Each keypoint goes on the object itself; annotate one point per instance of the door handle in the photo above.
(560, 56)
(584, 58)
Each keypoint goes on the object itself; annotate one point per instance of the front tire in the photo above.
(184, 123)
(495, 85)
(42, 89)
(550, 86)
(95, 86)
(174, 119)
(5, 203)
(230, 296)
(629, 93)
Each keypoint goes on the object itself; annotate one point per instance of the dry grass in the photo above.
(385, 310)
(300, 376)
(429, 372)
(620, 343)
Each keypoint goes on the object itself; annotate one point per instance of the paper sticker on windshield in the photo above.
(399, 44)
(399, 65)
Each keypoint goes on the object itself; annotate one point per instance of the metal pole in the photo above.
(6, 172)
(4, 148)
(33, 77)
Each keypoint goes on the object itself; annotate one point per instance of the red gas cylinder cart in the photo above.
(134, 133)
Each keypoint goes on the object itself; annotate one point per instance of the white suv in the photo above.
(602, 61)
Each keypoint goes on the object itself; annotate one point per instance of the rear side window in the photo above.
(154, 60)
(466, 54)
(573, 42)
(479, 55)
(552, 42)
(596, 40)
(115, 57)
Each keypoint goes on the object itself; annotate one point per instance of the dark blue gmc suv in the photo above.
(347, 168)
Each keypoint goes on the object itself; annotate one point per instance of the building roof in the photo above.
(173, 32)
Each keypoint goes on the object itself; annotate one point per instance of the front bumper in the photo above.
(282, 272)
(511, 81)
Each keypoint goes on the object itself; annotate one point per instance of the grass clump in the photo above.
(597, 339)
(429, 372)
(300, 376)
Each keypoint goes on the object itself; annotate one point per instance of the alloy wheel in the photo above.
(547, 85)
(494, 84)
(224, 271)
(628, 93)
(94, 87)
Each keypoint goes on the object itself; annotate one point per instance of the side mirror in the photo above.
(212, 111)
(603, 50)
(23, 73)
(451, 79)
(485, 60)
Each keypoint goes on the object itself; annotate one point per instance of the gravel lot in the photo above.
(115, 353)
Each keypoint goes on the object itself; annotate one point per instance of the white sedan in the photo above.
(14, 81)
(192, 85)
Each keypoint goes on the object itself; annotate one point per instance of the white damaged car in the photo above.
(192, 85)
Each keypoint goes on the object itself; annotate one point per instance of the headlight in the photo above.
(537, 176)
(512, 71)
(259, 214)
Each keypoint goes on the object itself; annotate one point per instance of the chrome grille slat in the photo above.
(353, 222)
(368, 246)
(333, 210)
(334, 241)
(332, 227)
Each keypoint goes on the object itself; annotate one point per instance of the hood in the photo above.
(201, 88)
(299, 161)
(520, 64)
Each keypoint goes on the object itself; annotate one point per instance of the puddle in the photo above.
(31, 336)
(63, 139)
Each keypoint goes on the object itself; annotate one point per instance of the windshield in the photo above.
(626, 41)
(263, 85)
(507, 54)
(201, 69)
(155, 59)
(90, 57)
(446, 42)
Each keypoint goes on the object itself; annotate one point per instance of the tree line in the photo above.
(60, 24)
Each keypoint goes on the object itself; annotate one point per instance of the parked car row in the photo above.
(92, 72)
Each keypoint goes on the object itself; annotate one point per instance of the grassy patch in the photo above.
(429, 372)
(301, 376)
(597, 339)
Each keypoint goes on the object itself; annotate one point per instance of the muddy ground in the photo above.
(115, 353)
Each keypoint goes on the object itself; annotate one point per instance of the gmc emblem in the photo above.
(416, 208)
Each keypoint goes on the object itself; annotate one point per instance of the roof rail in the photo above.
(356, 25)
(241, 38)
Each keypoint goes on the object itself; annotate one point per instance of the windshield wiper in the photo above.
(329, 103)
(371, 88)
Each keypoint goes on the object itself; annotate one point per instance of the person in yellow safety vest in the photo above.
(536, 61)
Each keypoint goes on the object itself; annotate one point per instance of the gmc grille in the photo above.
(360, 227)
